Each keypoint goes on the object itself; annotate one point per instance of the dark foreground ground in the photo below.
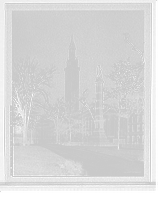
(39, 161)
(128, 154)
(99, 164)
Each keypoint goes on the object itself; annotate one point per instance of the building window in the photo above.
(88, 123)
(138, 139)
(96, 125)
(104, 124)
(133, 128)
(143, 127)
(133, 139)
(138, 127)
(138, 119)
(91, 124)
(130, 119)
(128, 139)
(101, 124)
(142, 138)
(129, 128)
(134, 119)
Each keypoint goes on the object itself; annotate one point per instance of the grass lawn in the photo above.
(132, 155)
(35, 161)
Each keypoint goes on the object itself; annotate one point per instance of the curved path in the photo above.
(98, 164)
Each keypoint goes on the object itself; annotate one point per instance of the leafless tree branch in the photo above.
(134, 48)
(84, 103)
(26, 82)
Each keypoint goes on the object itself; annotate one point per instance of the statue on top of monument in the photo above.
(99, 71)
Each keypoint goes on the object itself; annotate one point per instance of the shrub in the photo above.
(38, 161)
(72, 168)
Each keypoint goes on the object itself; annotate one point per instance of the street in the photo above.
(98, 164)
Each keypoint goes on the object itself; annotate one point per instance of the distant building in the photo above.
(110, 127)
(135, 133)
(135, 130)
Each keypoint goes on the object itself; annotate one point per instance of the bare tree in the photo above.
(71, 119)
(17, 121)
(134, 48)
(28, 82)
(84, 125)
(84, 103)
(107, 107)
(123, 76)
(57, 114)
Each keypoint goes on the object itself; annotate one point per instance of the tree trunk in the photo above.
(56, 135)
(128, 131)
(82, 131)
(25, 130)
(70, 139)
(70, 132)
(118, 134)
(82, 137)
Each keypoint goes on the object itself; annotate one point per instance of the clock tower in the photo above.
(72, 82)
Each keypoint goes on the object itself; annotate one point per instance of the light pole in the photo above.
(32, 128)
(31, 134)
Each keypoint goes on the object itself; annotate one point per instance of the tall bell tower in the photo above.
(72, 79)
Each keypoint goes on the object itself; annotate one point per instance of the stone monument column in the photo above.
(99, 136)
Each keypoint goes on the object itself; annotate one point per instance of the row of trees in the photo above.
(28, 86)
(67, 122)
(31, 99)
(128, 82)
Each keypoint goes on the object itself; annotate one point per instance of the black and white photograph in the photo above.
(78, 82)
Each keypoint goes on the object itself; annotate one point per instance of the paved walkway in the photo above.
(98, 164)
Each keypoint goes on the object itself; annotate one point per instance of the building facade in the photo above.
(110, 127)
(135, 133)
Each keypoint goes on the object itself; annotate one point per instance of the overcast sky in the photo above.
(98, 36)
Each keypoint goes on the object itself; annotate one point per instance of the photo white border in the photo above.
(108, 180)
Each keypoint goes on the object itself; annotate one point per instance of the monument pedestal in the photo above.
(99, 137)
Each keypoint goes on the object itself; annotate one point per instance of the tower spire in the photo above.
(72, 49)
(72, 44)
(72, 78)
